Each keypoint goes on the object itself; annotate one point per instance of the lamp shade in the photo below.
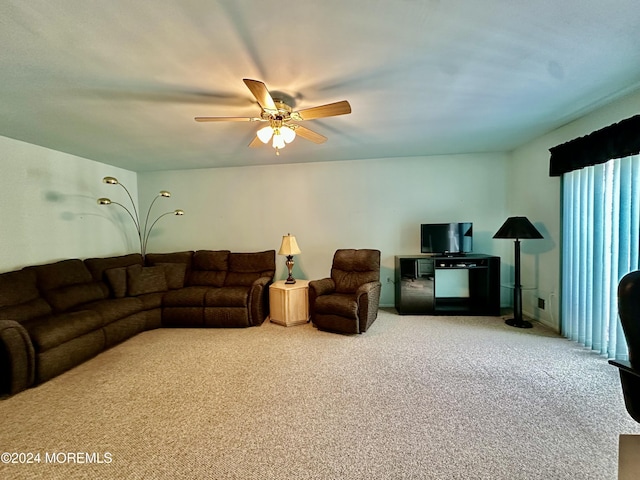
(264, 134)
(288, 134)
(278, 140)
(517, 227)
(289, 246)
(110, 180)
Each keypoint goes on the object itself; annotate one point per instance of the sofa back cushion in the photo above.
(142, 280)
(185, 257)
(19, 297)
(67, 284)
(113, 271)
(246, 268)
(117, 280)
(98, 266)
(17, 287)
(176, 266)
(352, 268)
(209, 268)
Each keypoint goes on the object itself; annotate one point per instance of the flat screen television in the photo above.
(446, 238)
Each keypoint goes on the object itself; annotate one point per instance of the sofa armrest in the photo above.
(368, 298)
(17, 358)
(259, 300)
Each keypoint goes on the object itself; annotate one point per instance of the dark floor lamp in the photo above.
(517, 227)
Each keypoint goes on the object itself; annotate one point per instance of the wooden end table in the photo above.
(289, 303)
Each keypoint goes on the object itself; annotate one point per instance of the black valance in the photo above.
(615, 141)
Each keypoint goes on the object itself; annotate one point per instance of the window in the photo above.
(601, 243)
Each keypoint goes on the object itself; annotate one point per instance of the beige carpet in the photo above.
(416, 397)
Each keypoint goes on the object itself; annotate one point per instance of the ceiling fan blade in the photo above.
(256, 142)
(261, 93)
(304, 132)
(329, 110)
(227, 119)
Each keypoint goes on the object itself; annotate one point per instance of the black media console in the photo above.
(416, 277)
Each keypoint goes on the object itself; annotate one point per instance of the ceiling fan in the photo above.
(281, 118)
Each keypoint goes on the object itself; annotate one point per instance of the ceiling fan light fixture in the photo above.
(265, 133)
(278, 113)
(278, 140)
(288, 134)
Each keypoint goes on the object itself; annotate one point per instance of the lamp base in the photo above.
(512, 322)
(290, 264)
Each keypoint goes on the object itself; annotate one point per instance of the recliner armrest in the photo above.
(324, 286)
(317, 288)
(367, 287)
(368, 298)
(17, 358)
(625, 366)
(630, 381)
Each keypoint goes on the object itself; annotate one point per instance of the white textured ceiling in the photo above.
(120, 81)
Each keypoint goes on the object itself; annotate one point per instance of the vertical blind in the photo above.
(601, 243)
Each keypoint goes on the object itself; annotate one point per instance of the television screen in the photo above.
(446, 238)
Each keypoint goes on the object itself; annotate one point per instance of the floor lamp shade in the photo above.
(517, 228)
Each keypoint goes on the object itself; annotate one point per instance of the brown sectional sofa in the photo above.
(222, 289)
(55, 316)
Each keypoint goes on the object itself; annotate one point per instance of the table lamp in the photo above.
(289, 248)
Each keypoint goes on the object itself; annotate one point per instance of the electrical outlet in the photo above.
(541, 303)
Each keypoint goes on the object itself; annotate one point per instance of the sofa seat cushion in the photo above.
(227, 297)
(342, 304)
(114, 309)
(49, 332)
(185, 297)
(151, 300)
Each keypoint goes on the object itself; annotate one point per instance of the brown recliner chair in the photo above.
(629, 311)
(348, 301)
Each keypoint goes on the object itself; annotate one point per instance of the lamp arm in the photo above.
(146, 220)
(132, 218)
(148, 232)
(136, 219)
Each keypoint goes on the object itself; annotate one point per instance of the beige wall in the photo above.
(49, 208)
(534, 194)
(354, 204)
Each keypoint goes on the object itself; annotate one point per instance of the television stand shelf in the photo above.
(421, 284)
